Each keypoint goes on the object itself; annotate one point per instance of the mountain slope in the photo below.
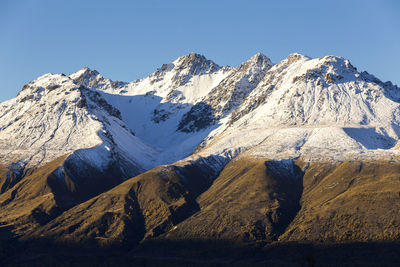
(61, 144)
(317, 108)
(153, 106)
(53, 116)
(142, 207)
(251, 199)
(227, 96)
(348, 201)
(303, 150)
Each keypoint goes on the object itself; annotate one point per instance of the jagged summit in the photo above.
(310, 89)
(260, 59)
(197, 64)
(54, 116)
(192, 99)
(296, 56)
(84, 72)
(317, 108)
(227, 95)
(186, 66)
(87, 77)
(191, 65)
(185, 80)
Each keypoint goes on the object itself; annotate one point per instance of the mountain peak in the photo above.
(296, 57)
(84, 72)
(337, 62)
(86, 77)
(259, 57)
(191, 57)
(258, 61)
(196, 64)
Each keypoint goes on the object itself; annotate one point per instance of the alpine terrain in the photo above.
(202, 164)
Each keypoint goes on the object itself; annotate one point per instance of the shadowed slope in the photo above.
(145, 206)
(250, 200)
(43, 194)
(31, 201)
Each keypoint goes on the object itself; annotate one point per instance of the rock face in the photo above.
(302, 150)
(227, 96)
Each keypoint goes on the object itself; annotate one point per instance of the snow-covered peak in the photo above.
(192, 99)
(87, 77)
(320, 108)
(300, 65)
(185, 80)
(295, 57)
(339, 64)
(84, 72)
(257, 63)
(44, 85)
(305, 87)
(259, 60)
(227, 95)
(195, 64)
(54, 116)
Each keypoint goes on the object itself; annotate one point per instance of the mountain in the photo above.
(304, 150)
(315, 108)
(227, 96)
(54, 115)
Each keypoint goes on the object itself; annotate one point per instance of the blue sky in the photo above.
(126, 40)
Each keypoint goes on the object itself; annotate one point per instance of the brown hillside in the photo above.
(252, 199)
(350, 201)
(31, 201)
(142, 207)
(41, 195)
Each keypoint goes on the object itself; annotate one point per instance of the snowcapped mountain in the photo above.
(291, 151)
(53, 116)
(298, 107)
(318, 108)
(185, 80)
(227, 96)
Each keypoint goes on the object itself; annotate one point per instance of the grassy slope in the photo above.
(249, 200)
(350, 201)
(31, 201)
(142, 207)
(42, 194)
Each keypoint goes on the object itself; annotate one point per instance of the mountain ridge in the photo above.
(196, 150)
(198, 109)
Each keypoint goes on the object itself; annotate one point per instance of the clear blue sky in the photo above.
(126, 40)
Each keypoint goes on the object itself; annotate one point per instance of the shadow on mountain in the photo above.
(66, 182)
(242, 211)
(145, 206)
(226, 253)
(201, 173)
(390, 90)
(287, 189)
(250, 200)
(183, 117)
(200, 116)
(199, 253)
(370, 138)
(169, 126)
